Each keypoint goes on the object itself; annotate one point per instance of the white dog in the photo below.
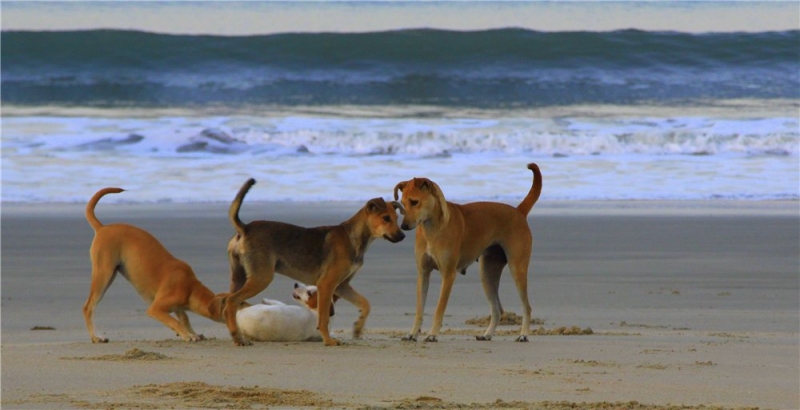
(275, 321)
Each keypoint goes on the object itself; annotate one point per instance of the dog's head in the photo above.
(382, 219)
(307, 296)
(216, 308)
(422, 200)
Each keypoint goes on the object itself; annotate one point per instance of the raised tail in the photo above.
(233, 211)
(536, 190)
(90, 216)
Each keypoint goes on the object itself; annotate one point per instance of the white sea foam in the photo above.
(325, 158)
(180, 137)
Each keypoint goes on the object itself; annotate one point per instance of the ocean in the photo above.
(183, 101)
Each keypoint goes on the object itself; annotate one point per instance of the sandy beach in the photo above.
(690, 304)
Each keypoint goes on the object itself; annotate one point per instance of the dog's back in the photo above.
(122, 244)
(118, 237)
(131, 250)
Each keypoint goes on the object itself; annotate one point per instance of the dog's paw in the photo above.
(522, 338)
(195, 338)
(431, 338)
(333, 342)
(483, 338)
(409, 338)
(98, 339)
(242, 342)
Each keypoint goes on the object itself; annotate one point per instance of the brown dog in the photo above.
(325, 256)
(167, 283)
(451, 236)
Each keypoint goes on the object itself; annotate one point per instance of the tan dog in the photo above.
(451, 236)
(326, 256)
(167, 283)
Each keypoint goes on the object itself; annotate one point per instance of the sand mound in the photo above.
(130, 355)
(202, 395)
(507, 318)
(541, 331)
(563, 331)
(433, 403)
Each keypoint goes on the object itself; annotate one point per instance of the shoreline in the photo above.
(622, 207)
(690, 304)
(724, 109)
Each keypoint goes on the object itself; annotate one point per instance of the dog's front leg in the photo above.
(423, 280)
(158, 312)
(324, 299)
(349, 294)
(183, 318)
(448, 278)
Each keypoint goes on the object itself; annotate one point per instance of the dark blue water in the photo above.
(507, 68)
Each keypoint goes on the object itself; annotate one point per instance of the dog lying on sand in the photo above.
(275, 321)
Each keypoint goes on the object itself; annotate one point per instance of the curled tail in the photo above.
(536, 190)
(233, 212)
(90, 216)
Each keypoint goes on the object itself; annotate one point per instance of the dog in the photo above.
(327, 256)
(275, 321)
(451, 236)
(167, 283)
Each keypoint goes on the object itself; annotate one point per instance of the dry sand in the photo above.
(640, 305)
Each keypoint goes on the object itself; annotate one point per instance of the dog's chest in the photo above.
(355, 267)
(442, 259)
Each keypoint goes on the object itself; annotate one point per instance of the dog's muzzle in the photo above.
(407, 226)
(397, 237)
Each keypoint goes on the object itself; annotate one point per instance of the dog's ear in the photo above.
(312, 299)
(398, 206)
(217, 306)
(376, 205)
(434, 189)
(399, 187)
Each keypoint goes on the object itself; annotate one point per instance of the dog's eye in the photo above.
(387, 218)
(413, 202)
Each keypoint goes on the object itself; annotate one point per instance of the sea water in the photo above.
(184, 101)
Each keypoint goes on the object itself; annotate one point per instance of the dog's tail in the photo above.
(90, 216)
(536, 190)
(233, 212)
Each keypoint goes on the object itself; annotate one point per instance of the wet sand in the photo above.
(688, 304)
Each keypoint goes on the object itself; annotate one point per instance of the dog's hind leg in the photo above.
(238, 274)
(104, 270)
(492, 263)
(519, 271)
(349, 294)
(262, 272)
